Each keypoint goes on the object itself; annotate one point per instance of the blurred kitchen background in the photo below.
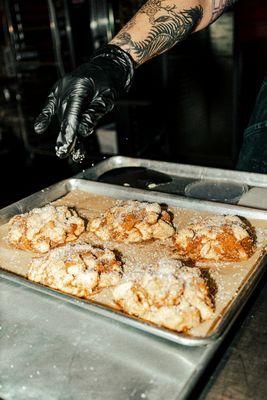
(189, 105)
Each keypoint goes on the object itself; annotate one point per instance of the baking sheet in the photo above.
(183, 174)
(230, 278)
(194, 172)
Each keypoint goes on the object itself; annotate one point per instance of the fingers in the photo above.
(99, 106)
(74, 121)
(66, 138)
(43, 120)
(78, 153)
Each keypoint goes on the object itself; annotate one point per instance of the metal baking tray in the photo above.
(62, 188)
(183, 176)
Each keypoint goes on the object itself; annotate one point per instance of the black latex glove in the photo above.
(83, 97)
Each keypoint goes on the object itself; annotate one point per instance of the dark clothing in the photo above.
(253, 155)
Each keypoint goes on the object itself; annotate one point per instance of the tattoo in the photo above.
(165, 30)
(151, 8)
(219, 6)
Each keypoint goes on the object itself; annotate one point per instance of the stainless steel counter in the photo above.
(239, 369)
(52, 350)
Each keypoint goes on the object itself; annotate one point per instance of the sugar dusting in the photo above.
(44, 228)
(228, 276)
(133, 222)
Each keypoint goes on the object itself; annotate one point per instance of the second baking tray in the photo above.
(63, 188)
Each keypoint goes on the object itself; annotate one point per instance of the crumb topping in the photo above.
(174, 296)
(220, 238)
(77, 269)
(133, 222)
(44, 228)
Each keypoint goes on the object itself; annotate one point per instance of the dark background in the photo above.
(189, 105)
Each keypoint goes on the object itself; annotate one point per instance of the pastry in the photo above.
(133, 222)
(45, 228)
(77, 269)
(220, 238)
(173, 296)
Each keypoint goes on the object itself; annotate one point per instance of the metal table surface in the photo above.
(239, 369)
(51, 351)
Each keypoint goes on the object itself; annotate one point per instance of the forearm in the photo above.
(160, 24)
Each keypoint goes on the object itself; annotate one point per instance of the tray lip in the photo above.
(179, 338)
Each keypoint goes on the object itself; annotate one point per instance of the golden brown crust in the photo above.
(45, 228)
(133, 222)
(220, 238)
(176, 297)
(78, 269)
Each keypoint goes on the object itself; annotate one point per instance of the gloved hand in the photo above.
(83, 97)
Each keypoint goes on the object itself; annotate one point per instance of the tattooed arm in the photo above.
(83, 97)
(160, 24)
